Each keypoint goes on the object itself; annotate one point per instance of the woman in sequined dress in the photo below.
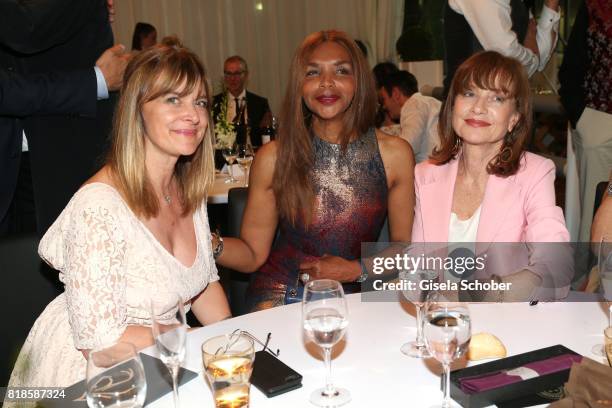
(326, 183)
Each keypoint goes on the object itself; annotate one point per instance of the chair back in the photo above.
(29, 285)
(600, 190)
(238, 281)
(236, 202)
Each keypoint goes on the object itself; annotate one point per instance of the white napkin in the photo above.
(236, 168)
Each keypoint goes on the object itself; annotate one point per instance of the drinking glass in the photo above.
(245, 158)
(169, 331)
(447, 334)
(228, 363)
(605, 272)
(115, 377)
(230, 154)
(325, 318)
(420, 282)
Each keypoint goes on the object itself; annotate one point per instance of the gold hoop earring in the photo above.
(506, 154)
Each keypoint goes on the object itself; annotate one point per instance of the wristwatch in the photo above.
(218, 249)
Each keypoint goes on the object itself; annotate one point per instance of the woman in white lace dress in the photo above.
(137, 227)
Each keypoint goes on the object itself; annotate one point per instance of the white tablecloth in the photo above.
(218, 193)
(369, 362)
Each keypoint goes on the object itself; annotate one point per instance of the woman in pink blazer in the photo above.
(480, 186)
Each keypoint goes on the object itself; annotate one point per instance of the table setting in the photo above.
(421, 348)
(364, 347)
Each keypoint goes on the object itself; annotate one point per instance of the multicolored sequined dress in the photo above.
(350, 208)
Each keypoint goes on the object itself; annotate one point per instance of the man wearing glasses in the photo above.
(257, 112)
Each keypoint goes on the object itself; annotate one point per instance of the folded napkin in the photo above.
(489, 381)
(237, 169)
(589, 386)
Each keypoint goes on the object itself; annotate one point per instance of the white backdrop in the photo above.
(265, 32)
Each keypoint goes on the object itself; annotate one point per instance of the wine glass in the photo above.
(605, 278)
(605, 272)
(244, 159)
(229, 154)
(447, 330)
(325, 318)
(417, 286)
(169, 331)
(115, 377)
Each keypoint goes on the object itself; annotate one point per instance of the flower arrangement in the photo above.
(225, 133)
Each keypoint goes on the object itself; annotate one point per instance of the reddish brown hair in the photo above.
(492, 71)
(292, 182)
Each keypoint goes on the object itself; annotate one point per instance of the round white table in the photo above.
(368, 362)
(218, 193)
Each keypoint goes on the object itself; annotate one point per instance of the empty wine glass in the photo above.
(115, 377)
(325, 318)
(170, 331)
(230, 154)
(245, 158)
(420, 282)
(447, 330)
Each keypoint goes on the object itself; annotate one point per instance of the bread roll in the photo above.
(485, 345)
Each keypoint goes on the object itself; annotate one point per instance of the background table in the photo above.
(369, 362)
(218, 193)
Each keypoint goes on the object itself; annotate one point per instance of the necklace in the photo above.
(168, 199)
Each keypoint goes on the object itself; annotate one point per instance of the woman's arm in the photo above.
(602, 223)
(398, 159)
(551, 264)
(250, 251)
(211, 305)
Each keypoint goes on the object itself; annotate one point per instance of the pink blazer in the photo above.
(516, 209)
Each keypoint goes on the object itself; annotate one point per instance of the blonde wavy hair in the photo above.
(150, 74)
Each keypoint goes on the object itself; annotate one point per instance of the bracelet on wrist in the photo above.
(364, 272)
(218, 249)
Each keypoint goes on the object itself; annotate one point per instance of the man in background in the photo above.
(586, 95)
(505, 26)
(257, 111)
(417, 113)
(53, 93)
(41, 36)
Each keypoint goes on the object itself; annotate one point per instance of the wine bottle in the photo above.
(240, 125)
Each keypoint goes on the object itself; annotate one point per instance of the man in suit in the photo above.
(58, 35)
(23, 95)
(258, 114)
(586, 95)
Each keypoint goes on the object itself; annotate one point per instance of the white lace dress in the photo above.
(110, 265)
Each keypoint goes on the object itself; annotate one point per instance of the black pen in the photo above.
(533, 303)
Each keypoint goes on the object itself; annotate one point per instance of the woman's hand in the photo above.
(331, 267)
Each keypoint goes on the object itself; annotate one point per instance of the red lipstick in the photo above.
(327, 99)
(477, 123)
